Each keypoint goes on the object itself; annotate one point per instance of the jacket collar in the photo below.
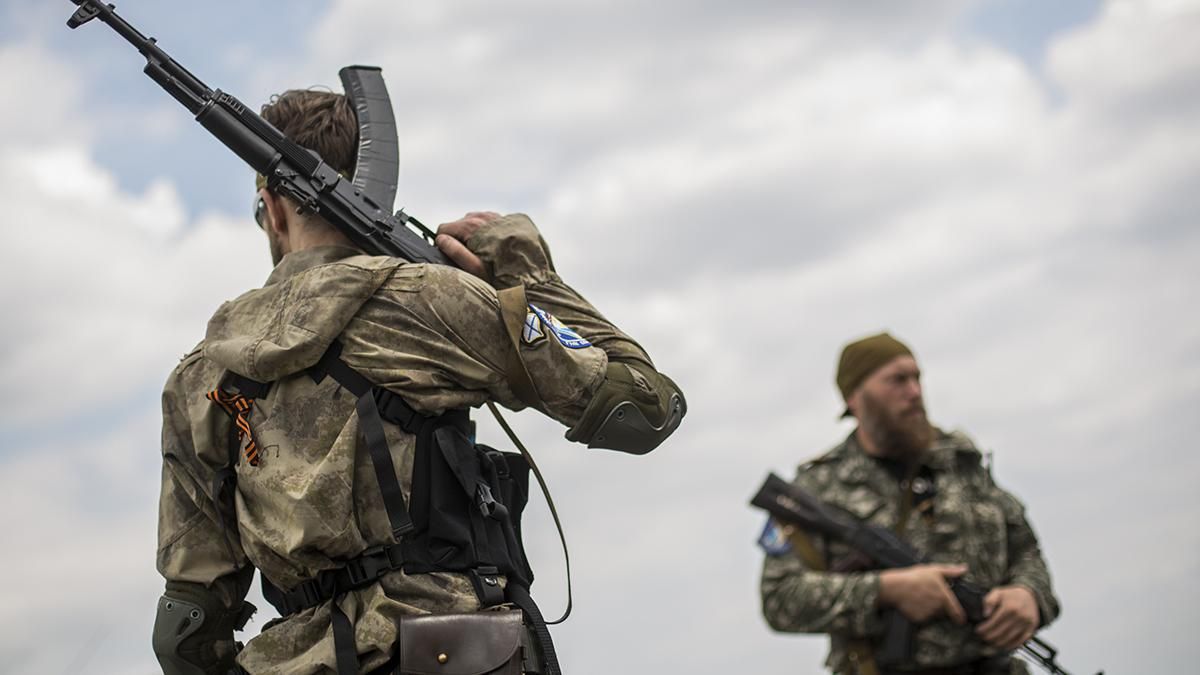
(298, 261)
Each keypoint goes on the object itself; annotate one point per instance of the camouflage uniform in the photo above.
(431, 333)
(972, 521)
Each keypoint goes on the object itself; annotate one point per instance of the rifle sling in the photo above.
(513, 309)
(906, 500)
(859, 650)
(862, 658)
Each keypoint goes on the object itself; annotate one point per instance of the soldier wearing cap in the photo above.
(899, 471)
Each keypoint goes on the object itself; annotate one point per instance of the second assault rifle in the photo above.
(354, 208)
(791, 505)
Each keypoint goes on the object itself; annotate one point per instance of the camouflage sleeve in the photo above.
(635, 407)
(204, 567)
(447, 339)
(436, 333)
(1026, 566)
(515, 254)
(191, 544)
(796, 599)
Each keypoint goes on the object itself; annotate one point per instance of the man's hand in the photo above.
(452, 239)
(921, 593)
(1012, 617)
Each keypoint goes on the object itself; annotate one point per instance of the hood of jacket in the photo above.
(285, 327)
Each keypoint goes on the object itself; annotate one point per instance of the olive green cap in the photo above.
(863, 357)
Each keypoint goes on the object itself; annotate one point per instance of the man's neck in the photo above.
(868, 444)
(306, 238)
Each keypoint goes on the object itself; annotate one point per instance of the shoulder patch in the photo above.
(773, 541)
(547, 323)
(532, 332)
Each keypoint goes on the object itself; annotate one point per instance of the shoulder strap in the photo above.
(519, 594)
(513, 310)
(858, 650)
(370, 401)
(537, 473)
(804, 548)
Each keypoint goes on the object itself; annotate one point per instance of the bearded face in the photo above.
(900, 430)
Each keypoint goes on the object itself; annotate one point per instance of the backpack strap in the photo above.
(514, 310)
(373, 406)
(518, 592)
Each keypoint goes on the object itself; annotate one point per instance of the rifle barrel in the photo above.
(291, 169)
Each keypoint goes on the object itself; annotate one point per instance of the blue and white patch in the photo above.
(567, 336)
(532, 333)
(773, 541)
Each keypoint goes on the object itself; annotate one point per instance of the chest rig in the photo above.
(463, 516)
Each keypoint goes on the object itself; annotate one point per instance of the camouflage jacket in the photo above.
(972, 521)
(433, 334)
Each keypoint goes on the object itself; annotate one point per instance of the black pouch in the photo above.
(479, 643)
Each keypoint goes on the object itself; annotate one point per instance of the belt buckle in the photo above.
(486, 502)
(395, 556)
(310, 595)
(486, 582)
(357, 572)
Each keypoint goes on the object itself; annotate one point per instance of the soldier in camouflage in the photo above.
(434, 335)
(898, 471)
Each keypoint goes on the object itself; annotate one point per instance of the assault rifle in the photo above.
(792, 505)
(355, 208)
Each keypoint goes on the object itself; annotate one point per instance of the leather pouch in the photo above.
(479, 643)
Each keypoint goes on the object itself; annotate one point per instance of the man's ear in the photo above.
(853, 402)
(277, 213)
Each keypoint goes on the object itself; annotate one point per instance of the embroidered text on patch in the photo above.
(567, 336)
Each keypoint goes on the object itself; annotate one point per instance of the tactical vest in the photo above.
(464, 513)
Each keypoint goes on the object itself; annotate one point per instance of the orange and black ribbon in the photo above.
(239, 408)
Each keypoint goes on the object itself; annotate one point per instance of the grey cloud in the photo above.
(79, 524)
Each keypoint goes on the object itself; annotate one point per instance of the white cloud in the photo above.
(104, 272)
(103, 291)
(42, 95)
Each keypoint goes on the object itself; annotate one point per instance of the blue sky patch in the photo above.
(1026, 27)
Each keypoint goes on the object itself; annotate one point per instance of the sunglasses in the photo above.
(260, 212)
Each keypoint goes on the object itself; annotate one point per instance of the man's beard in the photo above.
(276, 247)
(900, 436)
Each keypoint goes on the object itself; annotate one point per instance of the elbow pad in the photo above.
(633, 411)
(193, 631)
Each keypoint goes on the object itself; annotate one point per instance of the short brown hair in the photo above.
(321, 121)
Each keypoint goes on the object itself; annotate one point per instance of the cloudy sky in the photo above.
(1009, 185)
